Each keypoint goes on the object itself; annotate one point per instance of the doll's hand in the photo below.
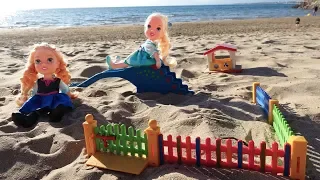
(21, 99)
(158, 64)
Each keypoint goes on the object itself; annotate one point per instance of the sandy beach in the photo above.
(283, 58)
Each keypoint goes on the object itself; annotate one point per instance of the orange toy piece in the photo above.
(225, 64)
(153, 132)
(88, 127)
(298, 157)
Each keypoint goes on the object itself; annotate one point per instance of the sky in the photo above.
(12, 5)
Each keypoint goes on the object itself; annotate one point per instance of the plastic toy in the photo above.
(146, 71)
(225, 64)
(125, 154)
(145, 78)
(132, 152)
(156, 31)
(271, 108)
(46, 98)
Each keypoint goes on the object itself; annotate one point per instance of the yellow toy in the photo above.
(225, 64)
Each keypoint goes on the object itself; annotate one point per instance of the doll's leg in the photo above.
(113, 65)
(25, 121)
(57, 113)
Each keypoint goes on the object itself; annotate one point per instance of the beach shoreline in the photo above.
(132, 32)
(272, 51)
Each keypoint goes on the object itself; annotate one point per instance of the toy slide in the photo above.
(145, 78)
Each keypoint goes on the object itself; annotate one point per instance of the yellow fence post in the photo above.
(298, 157)
(270, 115)
(153, 132)
(88, 127)
(254, 95)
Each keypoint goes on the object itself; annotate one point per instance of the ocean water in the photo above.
(137, 15)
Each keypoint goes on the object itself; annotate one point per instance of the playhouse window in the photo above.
(221, 54)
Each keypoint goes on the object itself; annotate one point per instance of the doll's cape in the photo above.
(145, 78)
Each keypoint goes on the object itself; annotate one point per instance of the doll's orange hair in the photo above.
(30, 75)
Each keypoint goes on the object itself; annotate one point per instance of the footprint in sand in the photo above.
(210, 87)
(2, 99)
(178, 47)
(176, 55)
(101, 50)
(103, 55)
(187, 74)
(271, 42)
(11, 71)
(313, 48)
(90, 71)
(90, 61)
(97, 93)
(73, 53)
(106, 46)
(18, 55)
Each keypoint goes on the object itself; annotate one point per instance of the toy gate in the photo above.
(116, 149)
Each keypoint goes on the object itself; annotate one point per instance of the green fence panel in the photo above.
(125, 143)
(281, 126)
(131, 140)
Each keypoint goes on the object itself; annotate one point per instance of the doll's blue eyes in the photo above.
(149, 26)
(38, 61)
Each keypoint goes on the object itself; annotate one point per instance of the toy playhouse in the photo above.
(223, 63)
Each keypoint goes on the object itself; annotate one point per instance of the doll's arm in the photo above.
(64, 88)
(152, 50)
(158, 60)
(157, 57)
(34, 89)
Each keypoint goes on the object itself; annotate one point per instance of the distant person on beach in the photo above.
(298, 22)
(153, 51)
(315, 10)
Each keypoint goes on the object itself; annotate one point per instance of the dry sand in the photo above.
(285, 59)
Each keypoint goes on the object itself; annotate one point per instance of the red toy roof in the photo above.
(227, 47)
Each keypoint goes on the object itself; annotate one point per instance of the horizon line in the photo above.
(159, 5)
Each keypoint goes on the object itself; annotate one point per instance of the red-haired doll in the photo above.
(50, 93)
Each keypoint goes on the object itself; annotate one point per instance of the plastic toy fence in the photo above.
(283, 131)
(203, 154)
(275, 116)
(158, 151)
(124, 143)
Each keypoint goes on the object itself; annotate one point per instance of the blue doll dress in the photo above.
(46, 95)
(141, 57)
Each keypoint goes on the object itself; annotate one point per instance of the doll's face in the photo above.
(45, 61)
(154, 29)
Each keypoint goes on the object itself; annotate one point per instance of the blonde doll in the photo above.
(50, 93)
(156, 30)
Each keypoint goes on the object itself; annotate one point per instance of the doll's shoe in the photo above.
(57, 114)
(25, 121)
(108, 60)
(118, 59)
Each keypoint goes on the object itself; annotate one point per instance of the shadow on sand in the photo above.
(262, 71)
(309, 128)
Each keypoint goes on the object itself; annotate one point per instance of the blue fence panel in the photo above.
(263, 99)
